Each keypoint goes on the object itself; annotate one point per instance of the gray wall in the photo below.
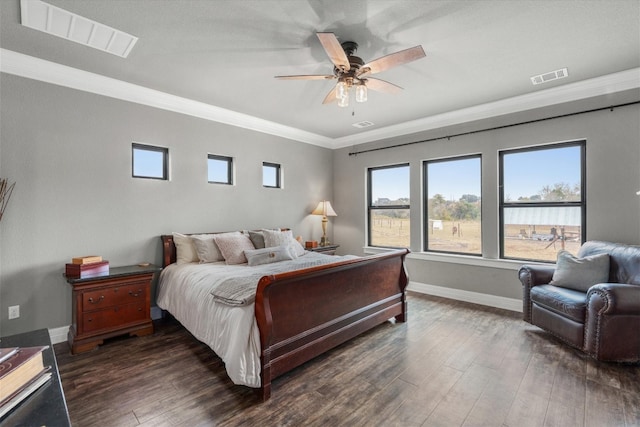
(613, 177)
(70, 154)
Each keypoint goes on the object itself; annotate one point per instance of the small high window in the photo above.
(271, 175)
(149, 161)
(220, 169)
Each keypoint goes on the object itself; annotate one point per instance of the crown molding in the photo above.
(22, 65)
(50, 72)
(608, 84)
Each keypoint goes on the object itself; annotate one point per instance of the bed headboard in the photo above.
(168, 250)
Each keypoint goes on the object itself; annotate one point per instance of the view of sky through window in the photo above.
(148, 163)
(218, 170)
(454, 178)
(390, 183)
(526, 173)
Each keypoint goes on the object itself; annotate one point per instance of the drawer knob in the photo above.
(96, 302)
(135, 294)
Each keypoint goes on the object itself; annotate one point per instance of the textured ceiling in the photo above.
(226, 53)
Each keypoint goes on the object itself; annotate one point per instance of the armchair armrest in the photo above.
(613, 321)
(613, 298)
(532, 275)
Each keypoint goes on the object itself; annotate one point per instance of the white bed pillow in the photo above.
(232, 246)
(268, 255)
(185, 249)
(274, 238)
(206, 248)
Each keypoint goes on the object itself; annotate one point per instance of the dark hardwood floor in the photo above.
(451, 364)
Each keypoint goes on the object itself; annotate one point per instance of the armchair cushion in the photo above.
(566, 302)
(580, 273)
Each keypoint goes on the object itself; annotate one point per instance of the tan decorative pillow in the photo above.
(206, 248)
(232, 246)
(185, 249)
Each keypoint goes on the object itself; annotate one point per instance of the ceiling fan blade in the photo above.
(334, 50)
(382, 86)
(331, 96)
(306, 77)
(392, 60)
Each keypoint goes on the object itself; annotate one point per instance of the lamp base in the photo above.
(324, 241)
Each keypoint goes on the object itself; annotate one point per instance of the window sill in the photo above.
(504, 264)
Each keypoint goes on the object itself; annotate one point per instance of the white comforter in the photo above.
(231, 331)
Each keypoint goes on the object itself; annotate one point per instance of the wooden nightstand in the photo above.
(115, 303)
(327, 250)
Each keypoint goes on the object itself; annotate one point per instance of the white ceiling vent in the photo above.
(363, 124)
(547, 77)
(50, 19)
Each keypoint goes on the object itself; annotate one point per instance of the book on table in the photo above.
(82, 271)
(23, 392)
(87, 259)
(21, 374)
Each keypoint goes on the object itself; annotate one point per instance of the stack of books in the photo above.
(87, 266)
(22, 372)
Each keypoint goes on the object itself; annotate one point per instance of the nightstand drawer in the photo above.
(119, 315)
(115, 303)
(101, 298)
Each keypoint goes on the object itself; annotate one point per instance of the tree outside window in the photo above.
(454, 205)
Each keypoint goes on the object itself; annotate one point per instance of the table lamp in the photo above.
(324, 208)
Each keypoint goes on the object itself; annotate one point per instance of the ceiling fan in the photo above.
(352, 72)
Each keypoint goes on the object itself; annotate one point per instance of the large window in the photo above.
(219, 169)
(388, 206)
(453, 200)
(542, 201)
(271, 175)
(149, 161)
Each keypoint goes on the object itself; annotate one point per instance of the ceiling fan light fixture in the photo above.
(344, 101)
(342, 89)
(361, 92)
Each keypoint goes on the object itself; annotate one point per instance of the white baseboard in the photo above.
(467, 296)
(59, 335)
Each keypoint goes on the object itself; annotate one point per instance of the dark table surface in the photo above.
(46, 406)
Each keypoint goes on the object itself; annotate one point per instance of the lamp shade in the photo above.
(324, 208)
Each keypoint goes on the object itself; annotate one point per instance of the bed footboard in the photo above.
(305, 313)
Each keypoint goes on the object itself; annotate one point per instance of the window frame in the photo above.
(371, 207)
(152, 148)
(582, 203)
(229, 161)
(278, 169)
(425, 196)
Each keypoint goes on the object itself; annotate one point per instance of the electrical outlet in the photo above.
(14, 312)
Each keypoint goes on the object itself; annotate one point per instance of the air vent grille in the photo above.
(548, 77)
(50, 19)
(363, 124)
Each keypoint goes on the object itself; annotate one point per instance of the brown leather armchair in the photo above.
(604, 322)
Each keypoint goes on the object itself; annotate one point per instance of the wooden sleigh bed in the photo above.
(348, 298)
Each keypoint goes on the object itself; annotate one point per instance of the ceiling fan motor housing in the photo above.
(355, 62)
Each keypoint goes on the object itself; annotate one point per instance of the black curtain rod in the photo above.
(355, 153)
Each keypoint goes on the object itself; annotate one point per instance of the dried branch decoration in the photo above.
(5, 194)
